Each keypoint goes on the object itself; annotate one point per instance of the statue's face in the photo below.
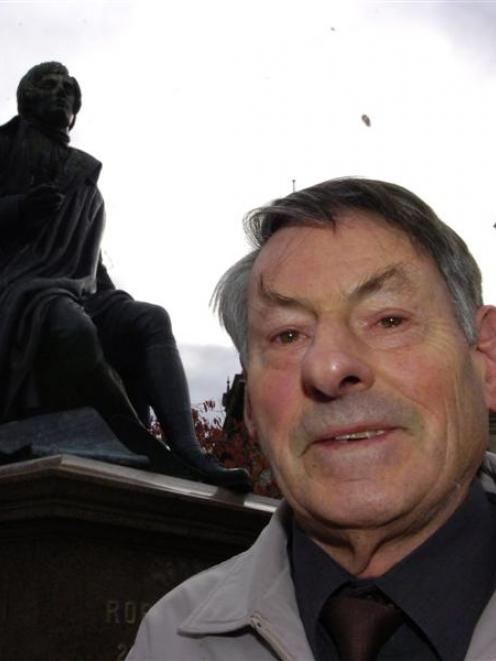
(53, 103)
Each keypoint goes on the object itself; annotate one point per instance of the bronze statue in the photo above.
(68, 337)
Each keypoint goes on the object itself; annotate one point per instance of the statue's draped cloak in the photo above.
(59, 257)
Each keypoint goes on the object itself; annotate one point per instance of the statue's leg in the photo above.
(73, 372)
(71, 361)
(142, 344)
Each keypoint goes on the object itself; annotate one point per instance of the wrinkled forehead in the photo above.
(359, 245)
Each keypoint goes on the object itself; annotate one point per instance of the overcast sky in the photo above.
(200, 111)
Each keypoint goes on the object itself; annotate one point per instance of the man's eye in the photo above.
(286, 337)
(391, 321)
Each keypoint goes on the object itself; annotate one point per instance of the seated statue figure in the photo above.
(68, 337)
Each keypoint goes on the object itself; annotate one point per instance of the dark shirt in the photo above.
(441, 587)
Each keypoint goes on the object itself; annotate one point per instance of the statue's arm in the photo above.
(23, 209)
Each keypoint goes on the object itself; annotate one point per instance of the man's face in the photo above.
(53, 104)
(362, 388)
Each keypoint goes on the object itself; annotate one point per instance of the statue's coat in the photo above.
(59, 258)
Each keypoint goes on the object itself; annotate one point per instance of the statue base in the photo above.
(86, 547)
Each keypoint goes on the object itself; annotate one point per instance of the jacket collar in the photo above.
(269, 596)
(483, 643)
(487, 472)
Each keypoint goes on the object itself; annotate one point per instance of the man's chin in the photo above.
(363, 508)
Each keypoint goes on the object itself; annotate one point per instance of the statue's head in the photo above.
(49, 94)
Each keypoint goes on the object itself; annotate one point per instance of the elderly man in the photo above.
(370, 364)
(68, 338)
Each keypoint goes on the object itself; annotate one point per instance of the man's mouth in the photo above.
(359, 435)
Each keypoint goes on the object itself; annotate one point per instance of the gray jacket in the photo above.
(245, 608)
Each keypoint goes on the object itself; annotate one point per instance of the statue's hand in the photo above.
(41, 203)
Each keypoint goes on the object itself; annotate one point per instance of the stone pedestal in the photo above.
(86, 547)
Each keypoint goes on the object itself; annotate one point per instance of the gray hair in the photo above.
(322, 204)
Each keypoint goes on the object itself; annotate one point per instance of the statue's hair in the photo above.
(322, 204)
(26, 90)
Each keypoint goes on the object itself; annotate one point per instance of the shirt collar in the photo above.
(447, 579)
(450, 577)
(316, 576)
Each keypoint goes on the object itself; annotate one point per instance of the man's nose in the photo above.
(335, 365)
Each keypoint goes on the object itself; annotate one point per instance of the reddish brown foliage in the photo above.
(234, 449)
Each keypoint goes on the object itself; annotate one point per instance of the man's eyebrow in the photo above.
(392, 277)
(275, 298)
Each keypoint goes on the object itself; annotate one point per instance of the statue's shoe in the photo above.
(211, 471)
(197, 465)
(206, 468)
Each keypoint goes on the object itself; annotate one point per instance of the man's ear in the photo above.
(486, 345)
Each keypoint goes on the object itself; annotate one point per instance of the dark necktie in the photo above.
(360, 625)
